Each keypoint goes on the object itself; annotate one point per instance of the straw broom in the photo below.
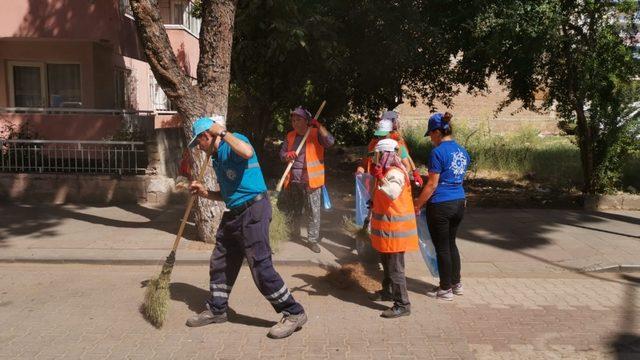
(156, 297)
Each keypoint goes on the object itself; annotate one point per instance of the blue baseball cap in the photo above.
(201, 125)
(436, 121)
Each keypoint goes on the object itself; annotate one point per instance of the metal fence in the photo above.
(86, 157)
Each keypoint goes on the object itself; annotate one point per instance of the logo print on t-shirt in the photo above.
(459, 163)
(231, 175)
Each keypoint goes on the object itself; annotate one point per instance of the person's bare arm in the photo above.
(427, 191)
(198, 189)
(243, 149)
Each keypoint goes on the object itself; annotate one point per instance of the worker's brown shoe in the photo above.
(205, 318)
(287, 326)
(396, 311)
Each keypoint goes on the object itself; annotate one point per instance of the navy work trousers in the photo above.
(246, 235)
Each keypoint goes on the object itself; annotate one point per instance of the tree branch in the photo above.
(216, 37)
(162, 60)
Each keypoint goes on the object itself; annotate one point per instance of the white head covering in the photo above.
(385, 126)
(386, 145)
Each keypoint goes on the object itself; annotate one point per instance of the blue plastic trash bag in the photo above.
(426, 244)
(326, 201)
(362, 197)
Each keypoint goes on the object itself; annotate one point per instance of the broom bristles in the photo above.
(156, 297)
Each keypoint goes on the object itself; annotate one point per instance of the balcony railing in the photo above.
(69, 110)
(81, 157)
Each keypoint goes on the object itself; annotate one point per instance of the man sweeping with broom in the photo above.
(243, 230)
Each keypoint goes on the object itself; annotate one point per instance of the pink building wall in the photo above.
(99, 20)
(65, 126)
(100, 38)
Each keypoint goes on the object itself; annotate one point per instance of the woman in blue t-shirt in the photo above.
(445, 201)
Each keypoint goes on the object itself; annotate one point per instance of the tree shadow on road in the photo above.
(322, 286)
(195, 297)
(626, 344)
(40, 221)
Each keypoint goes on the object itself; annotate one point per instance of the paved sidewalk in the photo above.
(91, 312)
(491, 240)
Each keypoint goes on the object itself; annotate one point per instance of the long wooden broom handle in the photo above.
(304, 140)
(187, 211)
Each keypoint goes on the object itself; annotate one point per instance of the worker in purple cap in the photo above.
(303, 185)
(244, 228)
(445, 202)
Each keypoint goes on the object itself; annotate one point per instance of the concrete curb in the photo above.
(144, 262)
(611, 268)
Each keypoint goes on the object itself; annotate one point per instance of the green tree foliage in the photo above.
(361, 56)
(580, 54)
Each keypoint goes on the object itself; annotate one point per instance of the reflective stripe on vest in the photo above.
(393, 222)
(314, 158)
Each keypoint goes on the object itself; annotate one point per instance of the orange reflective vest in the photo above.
(368, 161)
(314, 158)
(393, 222)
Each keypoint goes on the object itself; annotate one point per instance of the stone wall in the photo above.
(475, 110)
(164, 149)
(88, 189)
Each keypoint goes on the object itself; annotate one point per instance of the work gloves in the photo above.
(377, 172)
(417, 178)
(290, 155)
(314, 123)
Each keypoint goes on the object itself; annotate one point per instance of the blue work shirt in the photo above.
(240, 179)
(451, 161)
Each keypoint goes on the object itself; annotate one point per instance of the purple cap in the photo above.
(302, 112)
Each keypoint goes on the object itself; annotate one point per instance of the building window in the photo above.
(159, 99)
(183, 15)
(33, 84)
(27, 85)
(123, 85)
(63, 84)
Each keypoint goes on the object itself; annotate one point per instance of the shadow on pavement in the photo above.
(40, 220)
(626, 344)
(320, 286)
(195, 297)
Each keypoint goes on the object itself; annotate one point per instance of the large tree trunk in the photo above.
(209, 96)
(585, 142)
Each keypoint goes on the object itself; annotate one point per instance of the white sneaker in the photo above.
(441, 294)
(457, 289)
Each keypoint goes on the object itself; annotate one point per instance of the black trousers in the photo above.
(395, 281)
(246, 235)
(443, 220)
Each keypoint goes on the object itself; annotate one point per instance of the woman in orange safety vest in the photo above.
(393, 225)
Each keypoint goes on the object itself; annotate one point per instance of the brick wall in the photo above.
(480, 109)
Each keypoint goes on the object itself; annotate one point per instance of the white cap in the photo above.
(385, 145)
(390, 115)
(219, 119)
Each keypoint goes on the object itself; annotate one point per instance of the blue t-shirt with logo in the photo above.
(240, 179)
(451, 161)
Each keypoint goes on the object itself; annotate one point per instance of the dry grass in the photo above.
(280, 227)
(354, 230)
(156, 297)
(350, 276)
